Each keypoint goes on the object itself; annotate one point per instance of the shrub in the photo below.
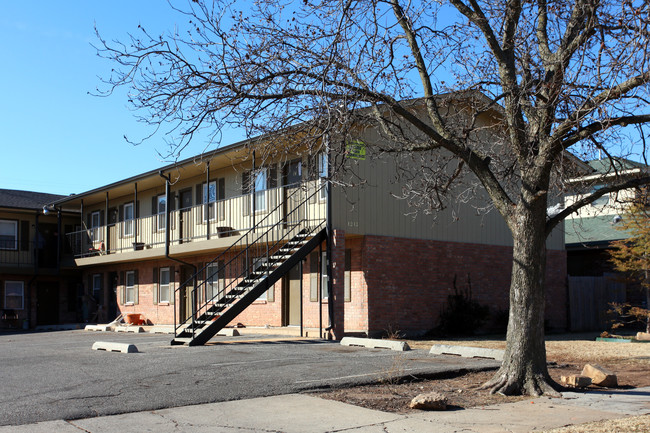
(462, 315)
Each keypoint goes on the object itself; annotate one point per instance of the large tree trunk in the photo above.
(524, 366)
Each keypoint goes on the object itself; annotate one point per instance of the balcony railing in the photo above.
(219, 219)
(27, 255)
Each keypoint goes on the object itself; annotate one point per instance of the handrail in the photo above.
(265, 243)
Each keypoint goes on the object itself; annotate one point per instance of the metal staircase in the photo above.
(256, 261)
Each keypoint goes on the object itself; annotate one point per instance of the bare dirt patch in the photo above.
(567, 354)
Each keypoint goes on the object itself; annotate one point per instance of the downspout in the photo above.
(252, 188)
(136, 214)
(35, 244)
(320, 291)
(106, 245)
(34, 277)
(330, 236)
(59, 240)
(167, 228)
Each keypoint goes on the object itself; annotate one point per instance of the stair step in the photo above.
(208, 321)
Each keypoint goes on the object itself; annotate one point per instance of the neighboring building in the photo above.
(259, 237)
(590, 231)
(35, 289)
(593, 282)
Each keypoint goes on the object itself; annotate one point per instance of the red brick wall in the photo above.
(409, 280)
(260, 313)
(356, 310)
(399, 284)
(162, 313)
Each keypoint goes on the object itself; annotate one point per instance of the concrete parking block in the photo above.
(228, 332)
(101, 328)
(134, 329)
(115, 347)
(373, 343)
(467, 352)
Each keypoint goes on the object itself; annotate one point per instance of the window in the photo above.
(209, 200)
(259, 188)
(214, 281)
(347, 277)
(14, 295)
(161, 211)
(313, 276)
(129, 287)
(95, 223)
(97, 286)
(323, 275)
(602, 200)
(164, 286)
(258, 183)
(8, 235)
(128, 219)
(257, 265)
(292, 173)
(316, 283)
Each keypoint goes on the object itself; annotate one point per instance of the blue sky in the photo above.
(56, 137)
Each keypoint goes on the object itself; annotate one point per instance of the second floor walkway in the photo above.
(303, 203)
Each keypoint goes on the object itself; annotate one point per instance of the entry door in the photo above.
(185, 215)
(185, 307)
(46, 244)
(111, 242)
(291, 178)
(292, 297)
(47, 303)
(112, 296)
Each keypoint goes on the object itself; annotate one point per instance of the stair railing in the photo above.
(253, 252)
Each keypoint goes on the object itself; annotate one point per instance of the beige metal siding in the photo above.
(373, 208)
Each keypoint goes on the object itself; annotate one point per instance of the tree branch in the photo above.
(555, 220)
(591, 129)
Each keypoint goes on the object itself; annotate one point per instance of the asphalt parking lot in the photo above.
(56, 375)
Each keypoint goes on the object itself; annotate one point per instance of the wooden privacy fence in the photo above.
(589, 299)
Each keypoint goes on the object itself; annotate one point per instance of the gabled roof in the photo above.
(592, 231)
(17, 199)
(605, 170)
(604, 166)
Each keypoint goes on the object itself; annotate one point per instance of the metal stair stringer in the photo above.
(203, 335)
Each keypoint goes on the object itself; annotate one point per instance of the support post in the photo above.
(301, 303)
(252, 188)
(136, 214)
(167, 214)
(106, 225)
(206, 204)
(329, 241)
(59, 240)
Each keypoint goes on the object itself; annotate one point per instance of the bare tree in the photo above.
(548, 79)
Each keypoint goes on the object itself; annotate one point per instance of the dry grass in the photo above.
(566, 348)
(630, 424)
(631, 362)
